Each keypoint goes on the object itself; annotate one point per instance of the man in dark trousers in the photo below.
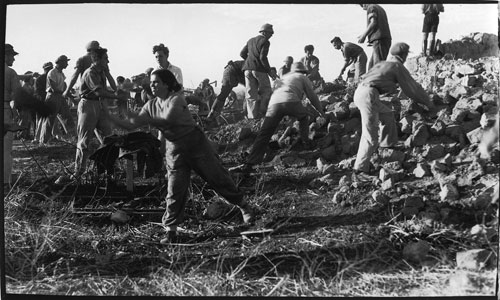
(232, 76)
(377, 32)
(257, 72)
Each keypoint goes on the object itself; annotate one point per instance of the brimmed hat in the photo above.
(62, 58)
(298, 67)
(267, 27)
(400, 48)
(92, 45)
(288, 59)
(10, 50)
(48, 65)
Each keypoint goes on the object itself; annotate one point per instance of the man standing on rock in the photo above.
(378, 33)
(353, 54)
(232, 76)
(431, 22)
(285, 101)
(383, 78)
(257, 72)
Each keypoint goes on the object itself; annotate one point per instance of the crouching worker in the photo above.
(187, 148)
(285, 101)
(383, 78)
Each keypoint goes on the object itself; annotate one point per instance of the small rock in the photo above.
(380, 197)
(422, 170)
(388, 184)
(438, 128)
(416, 251)
(475, 135)
(449, 193)
(120, 217)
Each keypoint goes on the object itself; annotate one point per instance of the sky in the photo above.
(202, 38)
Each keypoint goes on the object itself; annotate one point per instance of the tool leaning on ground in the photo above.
(24, 101)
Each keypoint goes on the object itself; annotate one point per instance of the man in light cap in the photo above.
(383, 78)
(378, 33)
(82, 64)
(55, 87)
(353, 55)
(286, 67)
(257, 71)
(285, 101)
(11, 84)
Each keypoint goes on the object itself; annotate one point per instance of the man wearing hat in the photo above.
(41, 94)
(353, 54)
(231, 77)
(92, 108)
(12, 83)
(286, 67)
(383, 78)
(82, 64)
(257, 72)
(378, 33)
(55, 88)
(285, 101)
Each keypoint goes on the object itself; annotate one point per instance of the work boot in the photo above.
(248, 214)
(171, 238)
(424, 48)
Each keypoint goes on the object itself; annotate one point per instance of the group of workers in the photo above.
(186, 145)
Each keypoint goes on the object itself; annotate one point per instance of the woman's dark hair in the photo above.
(161, 47)
(168, 78)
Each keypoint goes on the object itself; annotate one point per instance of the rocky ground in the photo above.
(433, 203)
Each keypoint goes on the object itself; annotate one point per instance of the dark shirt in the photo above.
(255, 54)
(40, 85)
(283, 70)
(432, 8)
(351, 51)
(382, 30)
(386, 75)
(233, 73)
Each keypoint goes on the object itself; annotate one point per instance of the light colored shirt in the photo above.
(175, 110)
(312, 65)
(11, 83)
(175, 70)
(292, 89)
(93, 79)
(55, 81)
(386, 75)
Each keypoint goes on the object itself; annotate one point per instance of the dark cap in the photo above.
(10, 50)
(62, 58)
(48, 65)
(399, 49)
(92, 45)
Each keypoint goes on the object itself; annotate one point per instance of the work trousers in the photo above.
(194, 152)
(380, 51)
(60, 109)
(360, 66)
(257, 93)
(274, 115)
(373, 111)
(221, 99)
(91, 116)
(8, 139)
